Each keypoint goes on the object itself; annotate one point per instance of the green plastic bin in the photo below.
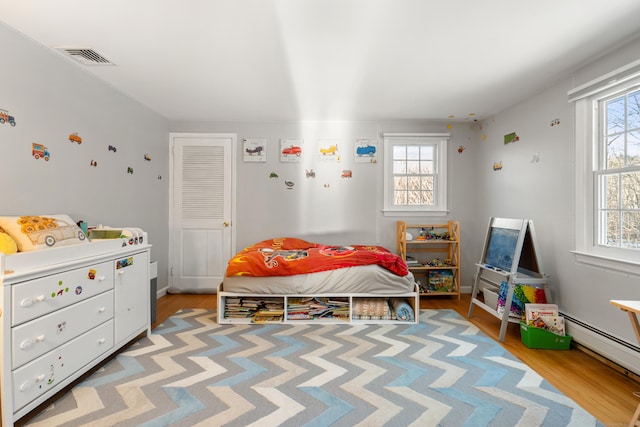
(534, 337)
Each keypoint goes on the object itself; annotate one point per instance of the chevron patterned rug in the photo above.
(193, 372)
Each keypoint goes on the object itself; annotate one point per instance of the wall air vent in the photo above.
(85, 56)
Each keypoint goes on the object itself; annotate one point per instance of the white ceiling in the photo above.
(282, 60)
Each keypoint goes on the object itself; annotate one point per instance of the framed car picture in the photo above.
(291, 150)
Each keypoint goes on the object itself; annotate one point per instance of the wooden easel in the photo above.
(517, 263)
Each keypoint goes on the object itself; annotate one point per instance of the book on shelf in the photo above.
(412, 262)
(268, 316)
(440, 281)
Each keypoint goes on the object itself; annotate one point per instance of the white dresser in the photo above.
(64, 310)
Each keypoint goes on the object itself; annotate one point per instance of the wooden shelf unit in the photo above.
(442, 241)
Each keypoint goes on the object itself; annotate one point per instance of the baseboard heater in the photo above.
(618, 351)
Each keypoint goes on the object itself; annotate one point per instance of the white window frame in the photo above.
(585, 99)
(440, 140)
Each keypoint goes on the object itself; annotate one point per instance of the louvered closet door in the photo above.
(201, 224)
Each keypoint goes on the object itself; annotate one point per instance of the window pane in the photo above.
(413, 167)
(399, 167)
(615, 152)
(631, 190)
(633, 110)
(428, 183)
(426, 167)
(414, 183)
(399, 152)
(427, 198)
(426, 152)
(400, 183)
(414, 198)
(613, 231)
(633, 148)
(631, 230)
(609, 191)
(615, 115)
(413, 152)
(400, 198)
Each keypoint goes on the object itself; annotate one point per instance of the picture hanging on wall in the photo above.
(328, 151)
(366, 151)
(291, 150)
(254, 150)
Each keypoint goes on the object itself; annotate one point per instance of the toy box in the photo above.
(534, 337)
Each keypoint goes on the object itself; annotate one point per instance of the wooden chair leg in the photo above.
(635, 421)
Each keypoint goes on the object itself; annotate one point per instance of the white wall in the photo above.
(349, 210)
(51, 98)
(544, 191)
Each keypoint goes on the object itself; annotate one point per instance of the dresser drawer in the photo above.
(44, 295)
(43, 374)
(35, 338)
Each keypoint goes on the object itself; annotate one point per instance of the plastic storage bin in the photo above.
(534, 337)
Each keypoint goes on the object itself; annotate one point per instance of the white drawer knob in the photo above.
(27, 302)
(40, 378)
(26, 344)
(101, 341)
(40, 298)
(101, 310)
(25, 386)
(101, 278)
(40, 338)
(121, 272)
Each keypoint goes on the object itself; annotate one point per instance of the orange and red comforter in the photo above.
(289, 256)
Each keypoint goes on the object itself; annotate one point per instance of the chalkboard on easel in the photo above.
(510, 247)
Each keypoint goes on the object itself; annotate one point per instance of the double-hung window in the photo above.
(415, 174)
(618, 172)
(608, 170)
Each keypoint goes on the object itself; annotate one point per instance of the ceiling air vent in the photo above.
(85, 56)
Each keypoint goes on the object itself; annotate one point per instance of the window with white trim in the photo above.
(415, 174)
(607, 120)
(618, 173)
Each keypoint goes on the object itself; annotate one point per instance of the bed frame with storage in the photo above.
(286, 300)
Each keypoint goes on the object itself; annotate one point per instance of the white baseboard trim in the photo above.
(161, 292)
(614, 349)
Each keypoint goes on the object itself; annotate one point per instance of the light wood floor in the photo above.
(606, 392)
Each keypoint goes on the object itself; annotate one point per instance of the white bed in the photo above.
(366, 278)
